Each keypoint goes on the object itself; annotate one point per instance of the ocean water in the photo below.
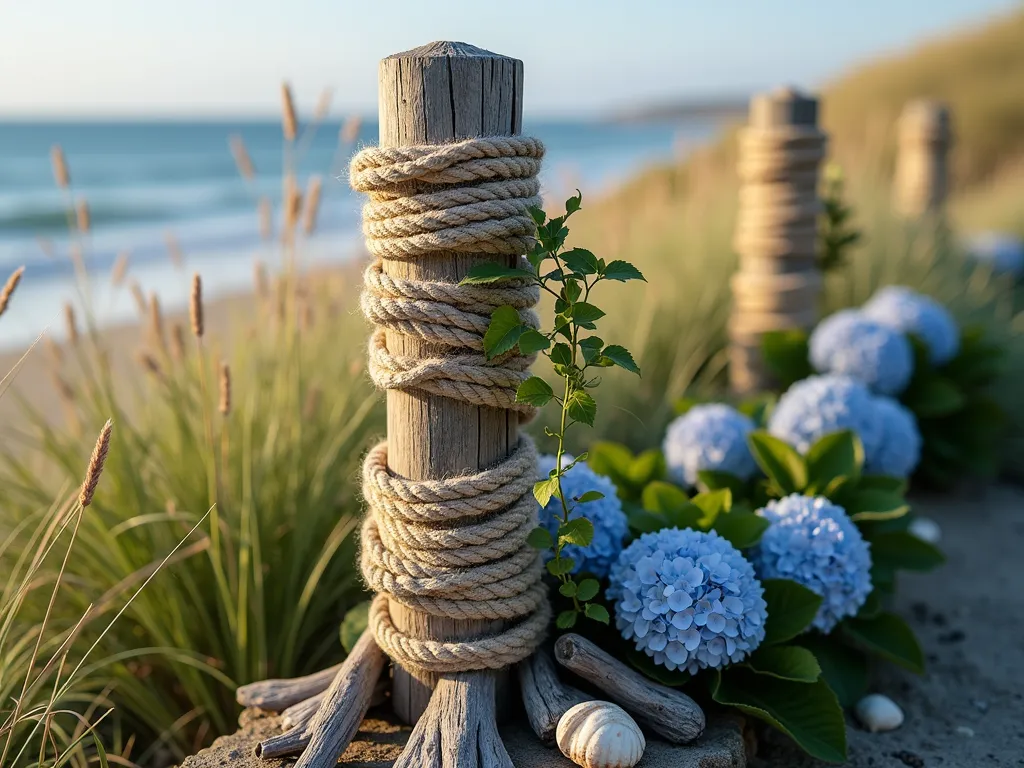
(145, 180)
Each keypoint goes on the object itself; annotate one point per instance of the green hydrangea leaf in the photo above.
(900, 549)
(839, 454)
(742, 529)
(888, 636)
(780, 461)
(791, 609)
(875, 504)
(809, 713)
(786, 662)
(786, 353)
(845, 669)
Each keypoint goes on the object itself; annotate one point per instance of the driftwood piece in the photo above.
(323, 737)
(458, 727)
(668, 712)
(277, 695)
(545, 697)
(302, 713)
(432, 95)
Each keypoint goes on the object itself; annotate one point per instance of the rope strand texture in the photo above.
(454, 547)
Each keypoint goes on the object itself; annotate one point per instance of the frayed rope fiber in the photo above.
(454, 547)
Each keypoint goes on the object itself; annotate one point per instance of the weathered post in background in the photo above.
(922, 163)
(778, 282)
(433, 95)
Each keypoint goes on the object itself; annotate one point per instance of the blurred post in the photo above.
(778, 282)
(922, 162)
(433, 95)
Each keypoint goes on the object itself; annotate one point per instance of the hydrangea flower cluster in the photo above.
(906, 310)
(820, 405)
(852, 344)
(812, 541)
(900, 448)
(709, 437)
(607, 515)
(688, 599)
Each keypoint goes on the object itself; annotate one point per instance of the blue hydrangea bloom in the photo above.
(910, 312)
(710, 436)
(610, 525)
(1004, 253)
(687, 599)
(852, 344)
(820, 405)
(812, 541)
(900, 449)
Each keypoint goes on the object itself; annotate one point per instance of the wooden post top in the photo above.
(783, 107)
(926, 118)
(444, 91)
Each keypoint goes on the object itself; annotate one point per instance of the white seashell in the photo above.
(878, 713)
(599, 734)
(925, 529)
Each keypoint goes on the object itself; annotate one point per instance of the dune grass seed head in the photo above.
(60, 167)
(70, 324)
(196, 306)
(312, 206)
(224, 406)
(9, 288)
(96, 462)
(120, 270)
(243, 160)
(289, 123)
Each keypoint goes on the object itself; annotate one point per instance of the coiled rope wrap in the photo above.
(454, 547)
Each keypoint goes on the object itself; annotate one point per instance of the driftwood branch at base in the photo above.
(276, 695)
(323, 734)
(668, 712)
(458, 727)
(545, 697)
(302, 713)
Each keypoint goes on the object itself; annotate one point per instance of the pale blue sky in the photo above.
(226, 57)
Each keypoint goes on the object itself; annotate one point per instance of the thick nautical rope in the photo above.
(454, 547)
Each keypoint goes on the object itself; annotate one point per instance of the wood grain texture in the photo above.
(545, 697)
(276, 695)
(323, 736)
(670, 713)
(431, 95)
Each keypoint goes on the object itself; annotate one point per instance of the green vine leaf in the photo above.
(597, 612)
(588, 589)
(585, 315)
(561, 566)
(491, 272)
(581, 261)
(540, 538)
(534, 391)
(622, 271)
(621, 357)
(582, 407)
(543, 490)
(578, 531)
(590, 496)
(532, 341)
(503, 332)
(566, 619)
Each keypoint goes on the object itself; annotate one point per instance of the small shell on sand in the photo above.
(878, 713)
(926, 529)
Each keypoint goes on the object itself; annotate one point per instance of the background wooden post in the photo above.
(432, 95)
(778, 282)
(921, 183)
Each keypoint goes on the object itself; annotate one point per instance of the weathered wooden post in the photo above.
(433, 95)
(778, 282)
(921, 182)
